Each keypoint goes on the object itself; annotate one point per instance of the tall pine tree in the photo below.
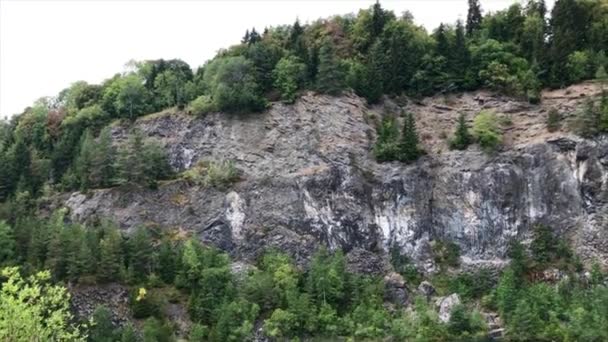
(331, 78)
(474, 17)
(462, 137)
(409, 150)
(102, 171)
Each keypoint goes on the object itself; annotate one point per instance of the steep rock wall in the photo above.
(309, 178)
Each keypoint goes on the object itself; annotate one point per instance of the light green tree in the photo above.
(289, 75)
(33, 310)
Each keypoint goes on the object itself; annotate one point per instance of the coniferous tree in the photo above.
(140, 254)
(387, 144)
(379, 18)
(84, 161)
(474, 17)
(7, 244)
(462, 137)
(568, 35)
(102, 170)
(374, 73)
(460, 57)
(110, 256)
(296, 41)
(102, 329)
(254, 37)
(19, 165)
(131, 162)
(330, 78)
(408, 147)
(245, 39)
(5, 176)
(443, 45)
(76, 253)
(129, 334)
(167, 261)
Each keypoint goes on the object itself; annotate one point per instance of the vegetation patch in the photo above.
(219, 174)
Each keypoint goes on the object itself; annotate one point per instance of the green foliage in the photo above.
(507, 292)
(408, 147)
(131, 97)
(486, 131)
(140, 252)
(202, 105)
(327, 278)
(446, 253)
(219, 174)
(553, 120)
(7, 244)
(31, 309)
(289, 76)
(128, 334)
(232, 85)
(102, 329)
(111, 267)
(587, 122)
(387, 146)
(331, 76)
(156, 331)
(235, 321)
(141, 161)
(577, 66)
(146, 303)
(462, 138)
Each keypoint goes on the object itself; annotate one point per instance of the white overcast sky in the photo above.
(47, 45)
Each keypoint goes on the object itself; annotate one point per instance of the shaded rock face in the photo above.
(310, 179)
(86, 299)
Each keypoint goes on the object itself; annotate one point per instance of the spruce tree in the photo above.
(110, 256)
(296, 41)
(443, 45)
(374, 71)
(167, 261)
(103, 329)
(408, 147)
(131, 163)
(330, 78)
(7, 244)
(140, 254)
(387, 145)
(462, 137)
(378, 21)
(84, 161)
(102, 171)
(460, 56)
(473, 17)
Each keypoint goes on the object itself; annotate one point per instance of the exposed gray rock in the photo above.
(310, 179)
(85, 299)
(395, 289)
(426, 289)
(445, 306)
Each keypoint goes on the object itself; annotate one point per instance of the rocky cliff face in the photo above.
(309, 178)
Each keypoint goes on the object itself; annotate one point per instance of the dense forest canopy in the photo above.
(65, 143)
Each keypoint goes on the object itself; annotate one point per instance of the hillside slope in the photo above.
(309, 178)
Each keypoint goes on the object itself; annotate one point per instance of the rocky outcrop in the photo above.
(86, 299)
(309, 178)
(446, 305)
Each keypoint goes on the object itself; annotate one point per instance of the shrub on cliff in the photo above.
(486, 131)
